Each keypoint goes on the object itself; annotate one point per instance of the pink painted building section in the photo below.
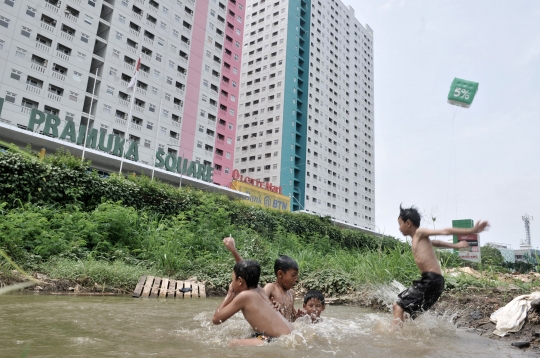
(189, 118)
(229, 93)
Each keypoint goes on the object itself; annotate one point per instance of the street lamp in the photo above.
(300, 191)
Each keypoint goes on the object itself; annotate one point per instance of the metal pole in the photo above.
(157, 135)
(181, 171)
(127, 128)
(89, 114)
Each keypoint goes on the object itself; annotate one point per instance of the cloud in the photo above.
(531, 53)
(392, 4)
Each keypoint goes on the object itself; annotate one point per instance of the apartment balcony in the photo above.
(66, 36)
(149, 40)
(78, 2)
(131, 49)
(138, 109)
(214, 90)
(129, 67)
(124, 83)
(184, 44)
(62, 55)
(153, 8)
(182, 60)
(151, 24)
(140, 2)
(134, 32)
(25, 110)
(120, 121)
(181, 75)
(144, 73)
(210, 137)
(174, 141)
(209, 152)
(146, 57)
(43, 47)
(137, 16)
(136, 126)
(33, 89)
(216, 78)
(123, 102)
(219, 156)
(51, 7)
(141, 91)
(222, 111)
(37, 67)
(70, 17)
(187, 29)
(211, 122)
(47, 27)
(180, 90)
(58, 76)
(220, 141)
(178, 107)
(54, 97)
(176, 124)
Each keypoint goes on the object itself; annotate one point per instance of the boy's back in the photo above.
(261, 315)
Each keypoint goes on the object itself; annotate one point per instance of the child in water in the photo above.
(280, 292)
(245, 295)
(424, 292)
(314, 305)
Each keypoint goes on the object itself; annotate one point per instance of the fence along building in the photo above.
(74, 59)
(306, 116)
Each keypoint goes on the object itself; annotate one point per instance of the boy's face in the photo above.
(404, 226)
(313, 308)
(238, 283)
(289, 278)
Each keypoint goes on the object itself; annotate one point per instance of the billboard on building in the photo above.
(262, 197)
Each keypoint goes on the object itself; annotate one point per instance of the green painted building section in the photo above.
(295, 118)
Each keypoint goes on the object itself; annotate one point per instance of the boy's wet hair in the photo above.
(249, 270)
(285, 263)
(410, 214)
(314, 294)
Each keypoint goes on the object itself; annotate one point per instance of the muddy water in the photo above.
(67, 326)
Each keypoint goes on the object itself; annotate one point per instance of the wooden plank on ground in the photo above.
(138, 289)
(163, 288)
(189, 294)
(172, 288)
(155, 287)
(147, 286)
(202, 290)
(179, 285)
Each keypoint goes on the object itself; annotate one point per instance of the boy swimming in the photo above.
(280, 292)
(245, 295)
(426, 291)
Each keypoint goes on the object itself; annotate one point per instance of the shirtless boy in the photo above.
(245, 295)
(280, 292)
(424, 292)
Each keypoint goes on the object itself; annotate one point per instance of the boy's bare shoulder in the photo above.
(269, 289)
(421, 233)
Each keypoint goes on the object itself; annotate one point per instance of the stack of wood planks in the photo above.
(154, 287)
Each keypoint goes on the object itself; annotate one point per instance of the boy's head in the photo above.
(246, 275)
(286, 270)
(314, 303)
(408, 219)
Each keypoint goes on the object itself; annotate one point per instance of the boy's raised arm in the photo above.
(479, 227)
(229, 244)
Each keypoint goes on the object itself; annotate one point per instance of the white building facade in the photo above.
(73, 60)
(306, 115)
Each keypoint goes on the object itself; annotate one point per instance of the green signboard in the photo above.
(462, 92)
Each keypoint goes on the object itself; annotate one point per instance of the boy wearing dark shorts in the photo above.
(426, 291)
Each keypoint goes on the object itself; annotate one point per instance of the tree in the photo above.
(491, 256)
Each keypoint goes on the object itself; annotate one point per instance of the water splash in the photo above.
(387, 293)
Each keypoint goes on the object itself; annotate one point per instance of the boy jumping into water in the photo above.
(245, 295)
(424, 292)
(280, 292)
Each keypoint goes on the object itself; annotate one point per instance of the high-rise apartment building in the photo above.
(74, 59)
(306, 116)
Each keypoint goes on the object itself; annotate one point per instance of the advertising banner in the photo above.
(262, 197)
(471, 253)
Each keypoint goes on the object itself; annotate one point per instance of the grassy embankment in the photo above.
(60, 219)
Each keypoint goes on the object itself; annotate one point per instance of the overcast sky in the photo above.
(483, 164)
